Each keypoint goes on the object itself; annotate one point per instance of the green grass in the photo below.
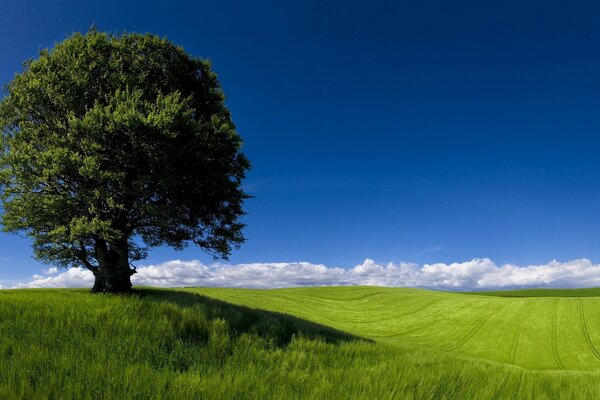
(587, 292)
(317, 343)
(539, 333)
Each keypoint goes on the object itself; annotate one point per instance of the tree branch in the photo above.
(84, 258)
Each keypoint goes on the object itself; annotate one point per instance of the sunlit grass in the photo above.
(69, 344)
(545, 332)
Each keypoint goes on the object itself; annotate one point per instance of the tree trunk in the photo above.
(113, 274)
(99, 282)
(112, 280)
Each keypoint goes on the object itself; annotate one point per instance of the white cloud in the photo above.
(50, 271)
(74, 277)
(470, 275)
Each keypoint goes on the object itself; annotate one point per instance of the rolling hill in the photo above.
(534, 329)
(310, 343)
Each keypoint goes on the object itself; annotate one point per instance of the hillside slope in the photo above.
(173, 344)
(540, 333)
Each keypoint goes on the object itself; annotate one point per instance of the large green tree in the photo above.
(114, 144)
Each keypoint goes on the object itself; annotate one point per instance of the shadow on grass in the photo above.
(278, 327)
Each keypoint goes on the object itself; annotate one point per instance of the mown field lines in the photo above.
(554, 338)
(586, 329)
(574, 352)
(530, 329)
(524, 316)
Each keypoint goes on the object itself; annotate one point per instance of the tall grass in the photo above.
(69, 344)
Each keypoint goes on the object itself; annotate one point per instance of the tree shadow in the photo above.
(278, 327)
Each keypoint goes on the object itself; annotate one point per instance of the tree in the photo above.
(114, 144)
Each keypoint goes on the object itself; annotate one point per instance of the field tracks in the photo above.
(476, 328)
(421, 327)
(515, 342)
(420, 308)
(416, 310)
(586, 332)
(557, 361)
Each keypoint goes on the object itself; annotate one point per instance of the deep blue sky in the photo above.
(399, 131)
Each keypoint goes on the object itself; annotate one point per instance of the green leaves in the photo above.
(109, 138)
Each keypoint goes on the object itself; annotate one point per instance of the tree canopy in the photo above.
(114, 144)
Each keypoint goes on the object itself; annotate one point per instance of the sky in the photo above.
(386, 133)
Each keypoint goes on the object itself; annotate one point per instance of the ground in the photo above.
(312, 343)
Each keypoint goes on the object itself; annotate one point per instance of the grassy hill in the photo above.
(538, 333)
(320, 343)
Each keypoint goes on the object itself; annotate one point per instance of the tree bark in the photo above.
(113, 274)
(99, 283)
(112, 280)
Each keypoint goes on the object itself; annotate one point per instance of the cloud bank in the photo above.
(477, 274)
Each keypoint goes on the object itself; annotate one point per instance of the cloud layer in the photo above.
(477, 274)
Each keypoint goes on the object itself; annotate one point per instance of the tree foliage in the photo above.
(113, 144)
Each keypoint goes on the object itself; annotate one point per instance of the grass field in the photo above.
(317, 343)
(539, 332)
